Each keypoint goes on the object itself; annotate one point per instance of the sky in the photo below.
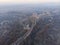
(27, 1)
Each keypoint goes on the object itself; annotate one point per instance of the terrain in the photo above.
(30, 25)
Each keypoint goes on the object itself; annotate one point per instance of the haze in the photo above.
(27, 1)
